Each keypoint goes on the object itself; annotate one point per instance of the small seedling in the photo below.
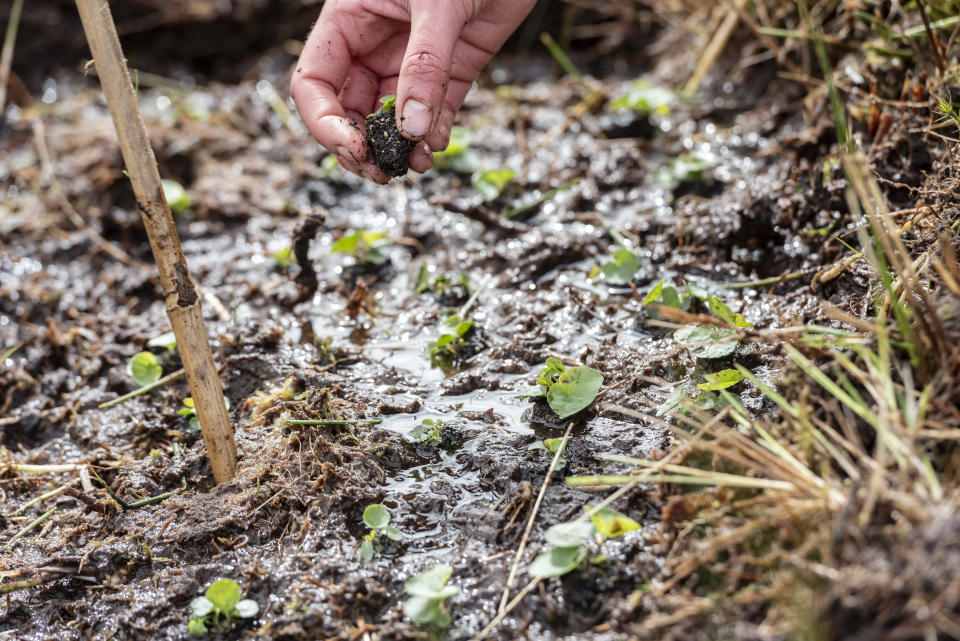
(145, 368)
(167, 340)
(390, 149)
(377, 518)
(707, 341)
(428, 590)
(667, 296)
(713, 398)
(568, 549)
(443, 286)
(190, 409)
(551, 445)
(568, 391)
(219, 606)
(283, 258)
(688, 168)
(364, 246)
(721, 380)
(331, 170)
(430, 431)
(491, 183)
(457, 156)
(446, 350)
(620, 269)
(646, 99)
(177, 197)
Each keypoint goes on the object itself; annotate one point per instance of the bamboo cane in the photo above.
(183, 304)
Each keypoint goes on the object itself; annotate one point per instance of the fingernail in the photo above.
(416, 118)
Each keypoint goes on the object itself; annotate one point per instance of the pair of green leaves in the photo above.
(430, 431)
(428, 590)
(454, 333)
(568, 390)
(688, 168)
(222, 602)
(377, 518)
(363, 245)
(567, 549)
(620, 269)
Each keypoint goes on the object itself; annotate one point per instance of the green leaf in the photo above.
(247, 608)
(376, 516)
(283, 257)
(188, 402)
(721, 380)
(655, 293)
(574, 390)
(363, 245)
(200, 607)
(457, 155)
(426, 612)
(431, 583)
(387, 101)
(177, 197)
(224, 594)
(197, 627)
(646, 99)
(492, 182)
(367, 551)
(167, 339)
(570, 534)
(557, 562)
(621, 269)
(144, 368)
(672, 401)
(610, 523)
(719, 309)
(707, 341)
(553, 444)
(393, 533)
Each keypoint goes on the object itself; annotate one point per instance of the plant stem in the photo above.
(7, 588)
(40, 519)
(324, 421)
(182, 300)
(560, 56)
(773, 280)
(143, 390)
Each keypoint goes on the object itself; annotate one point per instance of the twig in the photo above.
(143, 390)
(28, 468)
(533, 515)
(42, 497)
(135, 504)
(505, 611)
(6, 57)
(7, 588)
(40, 519)
(715, 47)
(182, 300)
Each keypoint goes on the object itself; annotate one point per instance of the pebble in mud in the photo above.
(391, 151)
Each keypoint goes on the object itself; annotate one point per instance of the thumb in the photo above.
(425, 72)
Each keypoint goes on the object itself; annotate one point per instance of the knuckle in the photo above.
(425, 64)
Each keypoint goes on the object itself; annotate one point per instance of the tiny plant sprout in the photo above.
(609, 523)
(492, 182)
(568, 390)
(177, 197)
(145, 368)
(167, 340)
(457, 155)
(219, 606)
(386, 102)
(377, 518)
(446, 350)
(622, 267)
(430, 431)
(282, 258)
(721, 380)
(190, 409)
(428, 590)
(567, 541)
(551, 445)
(364, 246)
(646, 99)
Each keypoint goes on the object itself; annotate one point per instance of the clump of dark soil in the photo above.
(391, 151)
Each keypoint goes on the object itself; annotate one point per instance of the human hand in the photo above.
(427, 52)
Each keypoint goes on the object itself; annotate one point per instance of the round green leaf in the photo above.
(200, 607)
(721, 380)
(393, 533)
(574, 390)
(247, 608)
(224, 594)
(426, 612)
(557, 562)
(376, 516)
(144, 368)
(568, 535)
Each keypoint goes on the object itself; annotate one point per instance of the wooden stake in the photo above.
(183, 304)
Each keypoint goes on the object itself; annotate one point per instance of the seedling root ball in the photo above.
(391, 151)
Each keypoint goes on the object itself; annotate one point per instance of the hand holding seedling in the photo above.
(427, 53)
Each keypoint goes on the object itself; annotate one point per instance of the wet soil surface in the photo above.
(80, 301)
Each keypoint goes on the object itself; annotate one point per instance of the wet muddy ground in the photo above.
(79, 302)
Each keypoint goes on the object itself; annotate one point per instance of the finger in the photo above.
(440, 137)
(421, 159)
(359, 93)
(425, 71)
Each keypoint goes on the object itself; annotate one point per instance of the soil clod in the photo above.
(391, 151)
